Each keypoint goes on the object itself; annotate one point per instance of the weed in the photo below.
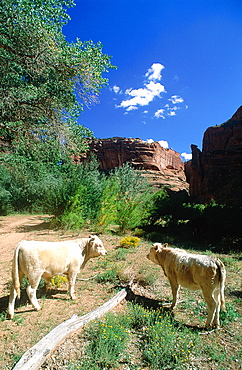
(110, 275)
(3, 316)
(161, 342)
(18, 320)
(228, 261)
(25, 283)
(120, 254)
(58, 280)
(16, 357)
(107, 342)
(148, 275)
(229, 315)
(129, 241)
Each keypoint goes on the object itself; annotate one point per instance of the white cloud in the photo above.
(149, 141)
(132, 107)
(151, 89)
(154, 72)
(116, 89)
(163, 143)
(171, 113)
(176, 99)
(160, 113)
(142, 96)
(186, 156)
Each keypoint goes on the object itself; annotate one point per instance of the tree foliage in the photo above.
(44, 80)
(119, 199)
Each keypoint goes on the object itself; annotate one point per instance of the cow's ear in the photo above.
(165, 245)
(156, 246)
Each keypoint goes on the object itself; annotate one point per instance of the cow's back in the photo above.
(55, 257)
(195, 270)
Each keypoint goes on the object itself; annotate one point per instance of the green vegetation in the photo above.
(129, 241)
(58, 280)
(45, 82)
(152, 334)
(143, 338)
(42, 74)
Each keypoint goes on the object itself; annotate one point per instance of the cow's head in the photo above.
(96, 247)
(154, 251)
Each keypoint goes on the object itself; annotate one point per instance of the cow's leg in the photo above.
(175, 287)
(211, 303)
(31, 291)
(72, 279)
(217, 298)
(12, 297)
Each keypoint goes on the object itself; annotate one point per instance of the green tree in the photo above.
(44, 80)
(85, 202)
(125, 198)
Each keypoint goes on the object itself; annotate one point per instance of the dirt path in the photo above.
(13, 229)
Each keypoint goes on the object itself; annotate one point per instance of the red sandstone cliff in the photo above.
(115, 152)
(216, 171)
(162, 166)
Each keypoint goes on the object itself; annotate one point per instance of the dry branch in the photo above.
(37, 355)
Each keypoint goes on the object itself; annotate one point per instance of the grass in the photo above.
(160, 341)
(142, 338)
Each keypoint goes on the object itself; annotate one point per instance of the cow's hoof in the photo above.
(10, 316)
(37, 308)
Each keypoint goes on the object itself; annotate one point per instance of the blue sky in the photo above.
(179, 67)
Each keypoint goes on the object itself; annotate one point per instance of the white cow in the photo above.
(36, 259)
(194, 272)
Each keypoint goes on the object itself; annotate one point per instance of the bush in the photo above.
(129, 241)
(58, 280)
(124, 200)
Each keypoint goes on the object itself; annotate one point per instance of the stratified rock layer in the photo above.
(162, 166)
(216, 171)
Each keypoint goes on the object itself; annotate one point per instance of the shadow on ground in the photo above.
(45, 225)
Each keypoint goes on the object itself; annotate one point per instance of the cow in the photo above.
(36, 259)
(194, 272)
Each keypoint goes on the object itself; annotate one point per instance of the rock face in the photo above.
(157, 163)
(216, 171)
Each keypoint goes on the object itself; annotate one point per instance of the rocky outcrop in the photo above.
(216, 171)
(160, 165)
(116, 151)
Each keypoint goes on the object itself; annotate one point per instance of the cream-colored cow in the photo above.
(36, 259)
(194, 272)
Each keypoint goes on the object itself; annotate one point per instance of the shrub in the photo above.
(124, 198)
(58, 280)
(107, 341)
(129, 241)
(110, 275)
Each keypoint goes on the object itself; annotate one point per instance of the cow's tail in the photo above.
(222, 277)
(15, 270)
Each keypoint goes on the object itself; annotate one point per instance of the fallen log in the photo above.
(37, 355)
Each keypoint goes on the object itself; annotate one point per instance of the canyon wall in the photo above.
(114, 152)
(163, 167)
(216, 171)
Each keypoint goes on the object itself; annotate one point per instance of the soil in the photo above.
(29, 326)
